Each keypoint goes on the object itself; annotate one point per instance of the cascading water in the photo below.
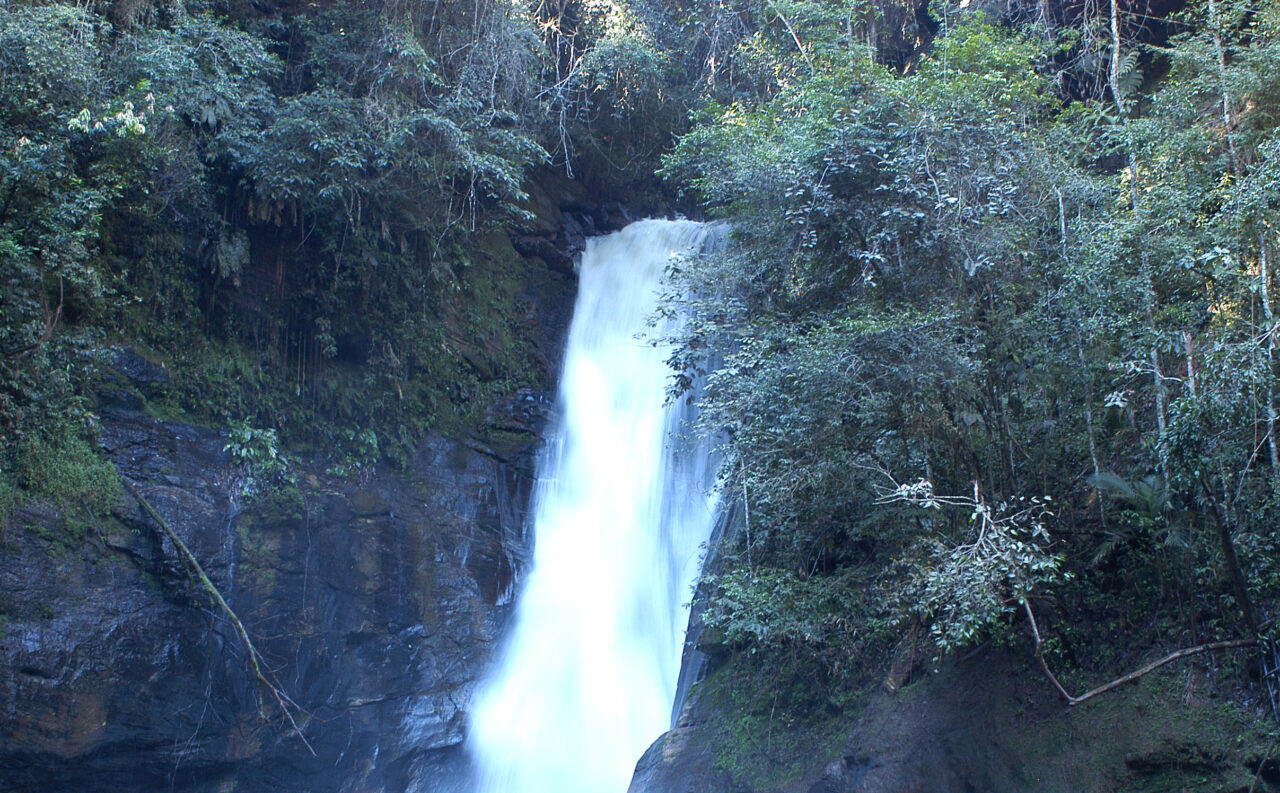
(620, 513)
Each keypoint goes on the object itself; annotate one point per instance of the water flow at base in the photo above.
(621, 511)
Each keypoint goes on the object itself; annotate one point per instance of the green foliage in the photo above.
(282, 202)
(360, 461)
(57, 463)
(1145, 513)
(614, 91)
(257, 453)
(953, 274)
(772, 608)
(255, 449)
(65, 154)
(966, 591)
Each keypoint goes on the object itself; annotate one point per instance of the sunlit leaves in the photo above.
(1046, 277)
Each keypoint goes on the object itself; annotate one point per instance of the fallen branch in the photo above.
(1132, 676)
(1254, 785)
(286, 703)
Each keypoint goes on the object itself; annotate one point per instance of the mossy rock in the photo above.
(773, 716)
(281, 507)
(990, 723)
(368, 505)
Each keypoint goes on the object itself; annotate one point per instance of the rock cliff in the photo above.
(375, 604)
(375, 599)
(988, 723)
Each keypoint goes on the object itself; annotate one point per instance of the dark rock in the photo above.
(988, 724)
(527, 412)
(138, 369)
(683, 760)
(544, 208)
(575, 227)
(545, 249)
(120, 398)
(617, 216)
(376, 611)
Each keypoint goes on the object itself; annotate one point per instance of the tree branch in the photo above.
(286, 703)
(1254, 784)
(786, 22)
(1130, 677)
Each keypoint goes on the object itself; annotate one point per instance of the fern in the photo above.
(1128, 75)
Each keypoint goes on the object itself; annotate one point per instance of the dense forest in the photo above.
(997, 328)
(991, 350)
(285, 205)
(998, 338)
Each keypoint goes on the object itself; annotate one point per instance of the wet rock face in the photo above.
(987, 723)
(683, 760)
(376, 606)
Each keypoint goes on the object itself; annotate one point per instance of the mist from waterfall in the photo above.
(620, 513)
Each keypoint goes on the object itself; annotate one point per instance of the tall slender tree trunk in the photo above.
(1239, 585)
(1088, 426)
(1113, 76)
(1122, 110)
(1220, 55)
(1264, 281)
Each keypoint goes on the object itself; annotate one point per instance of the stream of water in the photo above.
(622, 508)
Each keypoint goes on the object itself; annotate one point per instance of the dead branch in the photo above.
(50, 325)
(283, 700)
(786, 22)
(1130, 677)
(1254, 784)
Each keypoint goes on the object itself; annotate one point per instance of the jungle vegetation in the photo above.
(997, 329)
(993, 340)
(287, 206)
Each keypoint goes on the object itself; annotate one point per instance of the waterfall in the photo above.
(621, 510)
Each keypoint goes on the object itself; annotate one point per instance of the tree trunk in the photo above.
(1264, 280)
(1238, 584)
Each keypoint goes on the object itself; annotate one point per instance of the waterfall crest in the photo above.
(621, 510)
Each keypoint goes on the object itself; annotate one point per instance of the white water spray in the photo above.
(620, 513)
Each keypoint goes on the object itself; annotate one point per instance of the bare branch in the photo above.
(286, 703)
(1254, 785)
(794, 37)
(1130, 677)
